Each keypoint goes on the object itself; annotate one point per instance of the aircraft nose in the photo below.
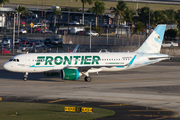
(7, 66)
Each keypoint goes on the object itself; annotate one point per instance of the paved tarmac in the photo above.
(122, 111)
(156, 86)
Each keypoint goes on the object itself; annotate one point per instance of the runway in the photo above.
(156, 85)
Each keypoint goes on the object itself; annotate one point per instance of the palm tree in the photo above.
(171, 14)
(119, 11)
(3, 1)
(128, 17)
(144, 16)
(178, 18)
(139, 27)
(84, 2)
(56, 13)
(98, 9)
(159, 18)
(20, 10)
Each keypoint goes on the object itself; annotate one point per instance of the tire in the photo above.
(88, 79)
(25, 79)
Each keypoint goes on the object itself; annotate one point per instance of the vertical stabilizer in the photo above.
(154, 41)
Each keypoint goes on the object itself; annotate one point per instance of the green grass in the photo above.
(39, 111)
(108, 4)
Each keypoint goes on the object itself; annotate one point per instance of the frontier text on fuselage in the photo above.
(70, 60)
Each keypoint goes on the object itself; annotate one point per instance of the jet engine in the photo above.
(70, 74)
(66, 74)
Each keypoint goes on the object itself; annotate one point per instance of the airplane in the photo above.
(71, 66)
(75, 49)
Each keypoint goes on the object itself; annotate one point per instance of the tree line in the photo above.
(140, 17)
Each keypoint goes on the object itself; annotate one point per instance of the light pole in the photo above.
(90, 39)
(42, 15)
(107, 33)
(45, 20)
(68, 17)
(90, 35)
(14, 33)
(149, 18)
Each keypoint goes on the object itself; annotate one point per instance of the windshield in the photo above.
(15, 60)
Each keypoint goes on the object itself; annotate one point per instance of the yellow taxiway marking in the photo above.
(0, 98)
(114, 105)
(56, 101)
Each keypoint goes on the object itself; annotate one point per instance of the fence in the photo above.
(135, 40)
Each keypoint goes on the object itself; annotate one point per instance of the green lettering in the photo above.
(49, 60)
(40, 59)
(67, 59)
(96, 59)
(60, 60)
(82, 59)
(86, 58)
(76, 59)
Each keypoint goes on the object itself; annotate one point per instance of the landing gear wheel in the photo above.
(25, 78)
(87, 79)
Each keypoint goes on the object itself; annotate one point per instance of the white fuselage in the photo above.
(42, 62)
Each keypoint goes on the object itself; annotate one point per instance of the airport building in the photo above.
(76, 17)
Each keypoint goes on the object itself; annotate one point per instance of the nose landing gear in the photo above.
(25, 76)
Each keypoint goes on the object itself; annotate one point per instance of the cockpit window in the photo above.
(15, 60)
(11, 60)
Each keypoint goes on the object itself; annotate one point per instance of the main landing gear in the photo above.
(87, 79)
(25, 76)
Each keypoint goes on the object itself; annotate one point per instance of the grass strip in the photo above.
(108, 4)
(43, 111)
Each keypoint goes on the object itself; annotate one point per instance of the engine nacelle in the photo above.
(70, 74)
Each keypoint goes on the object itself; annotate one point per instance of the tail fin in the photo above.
(75, 49)
(154, 41)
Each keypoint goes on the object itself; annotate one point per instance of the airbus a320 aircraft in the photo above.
(71, 66)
